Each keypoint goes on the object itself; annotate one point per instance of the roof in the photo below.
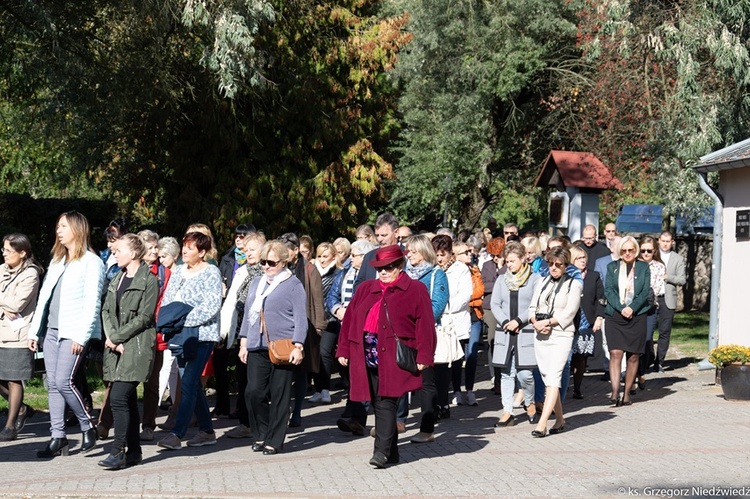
(729, 158)
(576, 169)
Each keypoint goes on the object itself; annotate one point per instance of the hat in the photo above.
(387, 255)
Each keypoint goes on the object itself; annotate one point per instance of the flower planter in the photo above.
(735, 381)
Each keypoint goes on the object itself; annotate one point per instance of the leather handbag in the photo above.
(406, 356)
(278, 350)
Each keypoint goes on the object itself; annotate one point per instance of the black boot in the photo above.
(115, 461)
(55, 447)
(89, 439)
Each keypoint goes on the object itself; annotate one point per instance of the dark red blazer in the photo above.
(410, 311)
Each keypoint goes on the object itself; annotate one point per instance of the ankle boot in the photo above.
(116, 461)
(89, 439)
(55, 447)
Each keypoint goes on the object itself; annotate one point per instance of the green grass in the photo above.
(690, 334)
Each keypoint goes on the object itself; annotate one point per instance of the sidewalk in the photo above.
(679, 433)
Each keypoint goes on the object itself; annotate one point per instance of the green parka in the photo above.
(134, 327)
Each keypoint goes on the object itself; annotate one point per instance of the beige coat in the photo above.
(19, 289)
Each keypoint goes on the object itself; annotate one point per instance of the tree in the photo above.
(472, 83)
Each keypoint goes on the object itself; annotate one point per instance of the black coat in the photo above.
(592, 299)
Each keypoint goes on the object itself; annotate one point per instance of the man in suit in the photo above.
(386, 232)
(675, 264)
(610, 233)
(593, 248)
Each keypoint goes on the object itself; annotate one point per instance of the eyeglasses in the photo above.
(357, 255)
(559, 265)
(467, 252)
(509, 233)
(389, 267)
(647, 251)
(270, 263)
(581, 258)
(9, 250)
(495, 256)
(611, 230)
(627, 250)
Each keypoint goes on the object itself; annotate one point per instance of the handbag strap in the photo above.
(263, 326)
(388, 317)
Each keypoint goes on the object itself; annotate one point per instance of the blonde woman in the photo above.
(70, 296)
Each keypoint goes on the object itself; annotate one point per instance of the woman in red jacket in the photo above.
(392, 305)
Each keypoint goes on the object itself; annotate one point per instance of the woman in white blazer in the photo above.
(553, 309)
(67, 316)
(455, 321)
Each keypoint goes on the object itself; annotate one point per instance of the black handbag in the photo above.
(406, 356)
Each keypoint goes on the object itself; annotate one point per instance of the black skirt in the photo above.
(628, 335)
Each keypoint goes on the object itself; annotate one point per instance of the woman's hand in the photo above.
(511, 326)
(597, 324)
(33, 345)
(627, 312)
(120, 348)
(421, 367)
(343, 361)
(296, 356)
(543, 327)
(76, 348)
(109, 344)
(340, 313)
(242, 354)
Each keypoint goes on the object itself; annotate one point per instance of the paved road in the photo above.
(679, 436)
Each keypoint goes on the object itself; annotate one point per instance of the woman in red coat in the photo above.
(393, 304)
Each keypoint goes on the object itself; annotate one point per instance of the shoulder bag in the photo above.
(278, 350)
(406, 356)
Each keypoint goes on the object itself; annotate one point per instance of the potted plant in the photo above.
(733, 364)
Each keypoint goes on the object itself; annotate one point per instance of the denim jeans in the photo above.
(509, 374)
(193, 397)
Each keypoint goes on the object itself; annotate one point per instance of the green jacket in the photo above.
(642, 279)
(134, 327)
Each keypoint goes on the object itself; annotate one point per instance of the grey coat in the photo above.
(506, 343)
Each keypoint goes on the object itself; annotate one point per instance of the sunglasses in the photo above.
(627, 250)
(270, 263)
(389, 267)
(647, 251)
(559, 265)
(467, 252)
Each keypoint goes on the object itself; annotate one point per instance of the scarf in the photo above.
(253, 272)
(518, 280)
(626, 284)
(261, 294)
(324, 270)
(239, 256)
(417, 272)
(371, 321)
(448, 265)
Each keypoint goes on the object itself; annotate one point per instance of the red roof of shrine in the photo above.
(576, 169)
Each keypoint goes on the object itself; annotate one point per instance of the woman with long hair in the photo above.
(651, 255)
(19, 286)
(67, 316)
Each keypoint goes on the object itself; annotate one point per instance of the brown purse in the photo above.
(278, 350)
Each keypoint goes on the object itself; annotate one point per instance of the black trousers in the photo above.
(123, 399)
(241, 373)
(428, 400)
(328, 341)
(268, 394)
(665, 318)
(221, 360)
(386, 438)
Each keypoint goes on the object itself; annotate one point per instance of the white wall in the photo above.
(734, 294)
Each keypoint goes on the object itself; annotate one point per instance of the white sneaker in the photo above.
(316, 398)
(240, 431)
(201, 439)
(471, 399)
(458, 398)
(325, 397)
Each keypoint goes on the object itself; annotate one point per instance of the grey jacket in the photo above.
(506, 343)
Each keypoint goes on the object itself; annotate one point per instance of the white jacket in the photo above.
(228, 320)
(80, 305)
(460, 287)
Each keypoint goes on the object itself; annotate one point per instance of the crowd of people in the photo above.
(392, 312)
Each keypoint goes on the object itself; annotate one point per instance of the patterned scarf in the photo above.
(239, 256)
(518, 280)
(626, 283)
(418, 271)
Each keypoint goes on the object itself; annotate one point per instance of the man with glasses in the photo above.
(593, 248)
(403, 232)
(675, 264)
(509, 230)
